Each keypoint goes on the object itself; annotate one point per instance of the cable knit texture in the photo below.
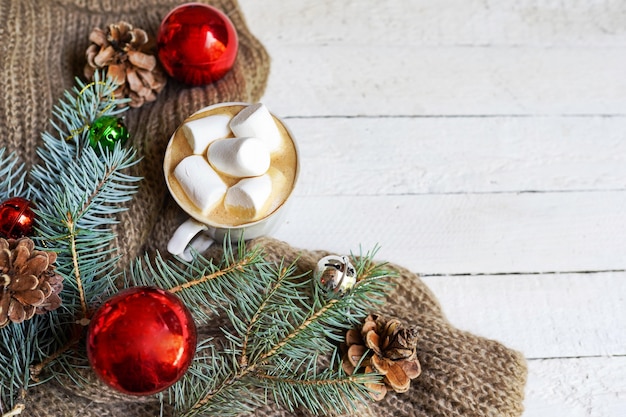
(42, 45)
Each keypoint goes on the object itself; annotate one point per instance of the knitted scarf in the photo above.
(42, 45)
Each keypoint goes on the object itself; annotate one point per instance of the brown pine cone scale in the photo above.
(387, 348)
(28, 283)
(128, 56)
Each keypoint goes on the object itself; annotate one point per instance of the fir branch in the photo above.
(210, 377)
(202, 284)
(12, 176)
(293, 391)
(252, 323)
(71, 228)
(75, 216)
(302, 329)
(19, 347)
(276, 338)
(77, 192)
(237, 266)
(36, 370)
(83, 104)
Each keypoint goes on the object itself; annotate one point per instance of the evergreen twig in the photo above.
(282, 327)
(237, 266)
(71, 228)
(279, 340)
(77, 191)
(12, 175)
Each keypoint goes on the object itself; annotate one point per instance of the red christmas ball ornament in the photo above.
(197, 43)
(141, 341)
(17, 218)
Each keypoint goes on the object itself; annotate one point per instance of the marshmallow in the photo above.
(201, 132)
(256, 121)
(239, 157)
(280, 187)
(248, 197)
(202, 185)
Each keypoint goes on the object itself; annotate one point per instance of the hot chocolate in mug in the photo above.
(232, 168)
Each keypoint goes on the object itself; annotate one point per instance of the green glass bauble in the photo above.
(107, 131)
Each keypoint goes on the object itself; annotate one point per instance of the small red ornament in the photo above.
(141, 341)
(197, 44)
(17, 218)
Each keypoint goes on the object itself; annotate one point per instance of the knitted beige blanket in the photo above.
(42, 44)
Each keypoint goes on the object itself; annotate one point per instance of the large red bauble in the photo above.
(17, 218)
(141, 341)
(197, 44)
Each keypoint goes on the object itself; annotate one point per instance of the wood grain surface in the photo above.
(481, 144)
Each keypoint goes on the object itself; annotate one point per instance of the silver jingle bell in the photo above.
(336, 273)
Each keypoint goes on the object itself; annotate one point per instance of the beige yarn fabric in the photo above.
(42, 43)
(463, 375)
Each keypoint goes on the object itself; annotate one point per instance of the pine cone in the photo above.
(128, 55)
(28, 283)
(392, 353)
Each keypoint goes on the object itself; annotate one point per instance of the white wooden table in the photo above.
(482, 144)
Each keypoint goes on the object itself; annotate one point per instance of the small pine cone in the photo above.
(128, 55)
(392, 353)
(28, 283)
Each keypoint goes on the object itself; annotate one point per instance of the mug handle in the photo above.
(184, 238)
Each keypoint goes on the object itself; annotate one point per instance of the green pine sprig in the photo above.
(18, 346)
(279, 333)
(278, 329)
(12, 176)
(77, 191)
(14, 366)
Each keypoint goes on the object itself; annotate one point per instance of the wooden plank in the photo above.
(392, 156)
(443, 22)
(440, 194)
(473, 233)
(543, 316)
(584, 387)
(396, 80)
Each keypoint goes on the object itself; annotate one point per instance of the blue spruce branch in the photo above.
(77, 192)
(12, 176)
(281, 328)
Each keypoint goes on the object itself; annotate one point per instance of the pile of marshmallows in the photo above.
(245, 157)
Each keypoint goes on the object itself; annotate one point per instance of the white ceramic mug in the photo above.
(200, 230)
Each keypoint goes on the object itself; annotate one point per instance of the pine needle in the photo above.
(274, 333)
(77, 192)
(12, 176)
(281, 328)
